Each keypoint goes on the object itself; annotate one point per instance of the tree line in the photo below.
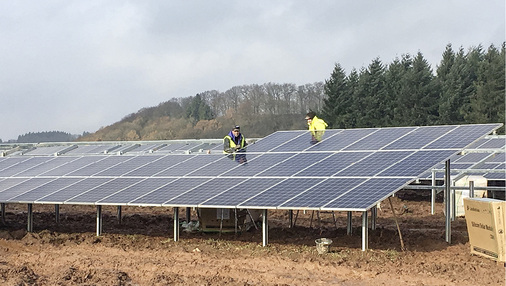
(466, 87)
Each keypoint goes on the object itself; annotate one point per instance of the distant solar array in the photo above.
(351, 169)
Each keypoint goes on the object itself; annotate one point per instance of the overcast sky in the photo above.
(76, 66)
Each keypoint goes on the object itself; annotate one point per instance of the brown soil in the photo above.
(141, 250)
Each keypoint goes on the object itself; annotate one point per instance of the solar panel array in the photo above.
(351, 169)
(485, 157)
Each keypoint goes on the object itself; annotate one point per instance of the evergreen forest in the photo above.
(467, 86)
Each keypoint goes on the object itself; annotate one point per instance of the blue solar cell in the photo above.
(104, 190)
(241, 192)
(167, 192)
(333, 164)
(341, 139)
(417, 163)
(303, 142)
(366, 195)
(9, 162)
(497, 157)
(71, 191)
(493, 143)
(373, 164)
(419, 137)
(73, 165)
(280, 193)
(24, 165)
(222, 164)
(204, 192)
(154, 167)
(127, 166)
(258, 164)
(274, 140)
(44, 190)
(294, 164)
(190, 165)
(324, 193)
(379, 139)
(136, 191)
(7, 183)
(22, 187)
(99, 166)
(470, 157)
(48, 165)
(461, 136)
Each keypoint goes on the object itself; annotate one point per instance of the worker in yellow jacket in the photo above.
(316, 127)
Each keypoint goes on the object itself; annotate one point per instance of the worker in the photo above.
(316, 127)
(235, 143)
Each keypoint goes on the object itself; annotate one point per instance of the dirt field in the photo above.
(141, 251)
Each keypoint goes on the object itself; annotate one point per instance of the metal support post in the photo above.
(176, 224)
(57, 214)
(471, 189)
(119, 214)
(448, 228)
(2, 205)
(188, 214)
(29, 228)
(374, 215)
(290, 218)
(349, 228)
(265, 228)
(433, 194)
(99, 220)
(365, 232)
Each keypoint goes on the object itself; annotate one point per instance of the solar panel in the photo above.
(373, 164)
(156, 166)
(127, 165)
(204, 192)
(189, 165)
(327, 191)
(24, 165)
(380, 138)
(419, 137)
(73, 165)
(367, 194)
(336, 141)
(8, 183)
(293, 165)
(9, 162)
(64, 194)
(44, 190)
(333, 164)
(222, 164)
(104, 190)
(133, 192)
(417, 163)
(99, 166)
(22, 187)
(280, 193)
(241, 192)
(459, 137)
(274, 140)
(169, 191)
(258, 164)
(48, 165)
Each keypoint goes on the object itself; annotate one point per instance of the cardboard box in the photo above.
(479, 181)
(485, 224)
(220, 219)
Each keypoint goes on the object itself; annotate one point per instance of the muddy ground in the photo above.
(141, 250)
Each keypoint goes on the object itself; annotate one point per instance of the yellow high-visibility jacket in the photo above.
(317, 128)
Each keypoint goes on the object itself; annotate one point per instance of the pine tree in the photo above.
(336, 105)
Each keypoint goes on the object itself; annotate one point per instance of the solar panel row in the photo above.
(349, 170)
